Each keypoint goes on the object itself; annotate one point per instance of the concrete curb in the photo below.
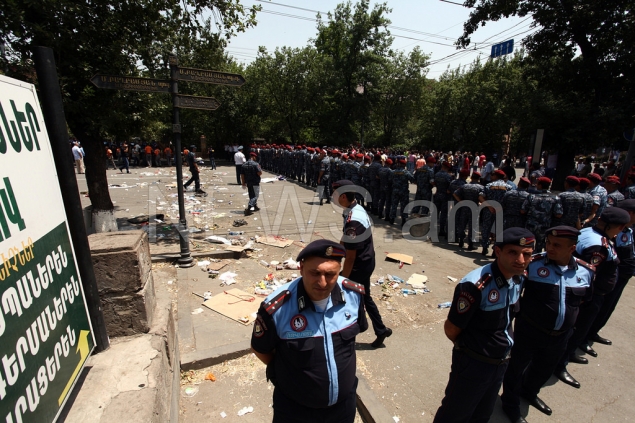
(159, 258)
(205, 358)
(368, 405)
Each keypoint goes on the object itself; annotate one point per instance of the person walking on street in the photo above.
(78, 157)
(324, 178)
(239, 161)
(168, 155)
(191, 161)
(305, 334)
(359, 263)
(250, 179)
(479, 324)
(210, 153)
(125, 153)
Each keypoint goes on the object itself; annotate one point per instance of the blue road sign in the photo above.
(501, 49)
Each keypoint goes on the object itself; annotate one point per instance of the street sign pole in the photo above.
(184, 235)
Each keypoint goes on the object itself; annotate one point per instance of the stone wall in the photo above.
(123, 270)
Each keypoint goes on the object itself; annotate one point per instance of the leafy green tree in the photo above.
(355, 43)
(113, 37)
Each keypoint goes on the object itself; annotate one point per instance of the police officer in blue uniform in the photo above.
(360, 252)
(594, 247)
(625, 249)
(556, 284)
(305, 334)
(479, 324)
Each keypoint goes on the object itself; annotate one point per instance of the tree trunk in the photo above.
(95, 162)
(564, 166)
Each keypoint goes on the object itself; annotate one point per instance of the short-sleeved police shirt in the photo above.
(358, 234)
(314, 362)
(485, 313)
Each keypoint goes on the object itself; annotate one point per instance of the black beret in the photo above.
(563, 231)
(341, 183)
(192, 147)
(628, 205)
(323, 248)
(615, 215)
(517, 236)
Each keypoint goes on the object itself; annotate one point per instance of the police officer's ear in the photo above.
(497, 251)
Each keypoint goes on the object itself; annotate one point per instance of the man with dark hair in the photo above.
(555, 286)
(360, 252)
(191, 161)
(316, 316)
(250, 178)
(479, 324)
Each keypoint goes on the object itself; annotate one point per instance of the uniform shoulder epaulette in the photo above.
(354, 286)
(585, 264)
(276, 302)
(483, 281)
(538, 256)
(605, 242)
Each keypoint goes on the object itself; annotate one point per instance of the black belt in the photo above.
(541, 329)
(484, 359)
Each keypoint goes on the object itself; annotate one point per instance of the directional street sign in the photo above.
(195, 102)
(501, 49)
(131, 83)
(210, 77)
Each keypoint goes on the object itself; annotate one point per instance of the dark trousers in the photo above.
(588, 313)
(534, 356)
(286, 410)
(325, 191)
(125, 164)
(195, 178)
(471, 392)
(238, 168)
(610, 301)
(363, 276)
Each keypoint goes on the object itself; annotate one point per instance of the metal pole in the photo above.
(53, 110)
(186, 259)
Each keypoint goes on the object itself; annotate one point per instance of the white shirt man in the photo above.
(239, 160)
(78, 157)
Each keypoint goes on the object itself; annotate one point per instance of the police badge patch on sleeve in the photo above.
(351, 233)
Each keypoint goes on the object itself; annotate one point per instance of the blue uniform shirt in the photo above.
(484, 306)
(552, 295)
(593, 247)
(314, 361)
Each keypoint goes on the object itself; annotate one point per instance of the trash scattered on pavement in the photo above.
(197, 311)
(218, 240)
(227, 278)
(245, 410)
(223, 414)
(404, 258)
(452, 279)
(417, 281)
(393, 278)
(445, 305)
(210, 376)
(202, 263)
(189, 391)
(239, 222)
(207, 295)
